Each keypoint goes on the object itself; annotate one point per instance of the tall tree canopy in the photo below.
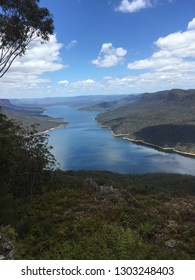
(25, 158)
(21, 21)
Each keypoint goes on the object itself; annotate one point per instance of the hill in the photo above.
(29, 115)
(165, 119)
(30, 110)
(110, 105)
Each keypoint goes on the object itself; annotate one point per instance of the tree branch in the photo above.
(9, 63)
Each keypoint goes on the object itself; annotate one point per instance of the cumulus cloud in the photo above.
(71, 44)
(191, 24)
(64, 82)
(172, 65)
(128, 6)
(85, 82)
(26, 72)
(85, 86)
(175, 52)
(109, 56)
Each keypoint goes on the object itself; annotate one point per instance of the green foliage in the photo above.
(147, 229)
(21, 21)
(7, 208)
(25, 159)
(72, 221)
(9, 232)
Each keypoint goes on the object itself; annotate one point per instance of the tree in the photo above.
(21, 22)
(25, 159)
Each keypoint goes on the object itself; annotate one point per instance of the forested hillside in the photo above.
(166, 119)
(29, 115)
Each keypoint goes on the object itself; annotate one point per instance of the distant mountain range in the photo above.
(72, 101)
(111, 104)
(29, 111)
(165, 119)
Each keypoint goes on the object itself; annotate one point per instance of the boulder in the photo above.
(6, 249)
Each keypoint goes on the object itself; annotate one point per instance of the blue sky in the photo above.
(109, 47)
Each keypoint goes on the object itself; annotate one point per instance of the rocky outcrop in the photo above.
(6, 248)
(102, 189)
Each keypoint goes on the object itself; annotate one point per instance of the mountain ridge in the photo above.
(173, 109)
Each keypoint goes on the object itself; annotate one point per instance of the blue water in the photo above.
(85, 145)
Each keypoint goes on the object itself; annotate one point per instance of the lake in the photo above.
(85, 145)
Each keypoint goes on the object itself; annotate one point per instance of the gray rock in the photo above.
(92, 183)
(2, 257)
(102, 189)
(171, 244)
(6, 249)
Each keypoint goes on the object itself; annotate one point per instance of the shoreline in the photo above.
(56, 127)
(124, 136)
(159, 147)
(56, 122)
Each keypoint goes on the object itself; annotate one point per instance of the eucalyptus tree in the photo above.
(21, 22)
(25, 159)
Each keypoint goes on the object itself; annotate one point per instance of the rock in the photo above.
(92, 183)
(106, 189)
(6, 249)
(2, 257)
(171, 243)
(102, 189)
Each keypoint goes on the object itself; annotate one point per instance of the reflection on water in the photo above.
(83, 144)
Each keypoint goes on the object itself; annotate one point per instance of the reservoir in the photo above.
(85, 145)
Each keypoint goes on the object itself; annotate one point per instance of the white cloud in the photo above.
(172, 65)
(64, 82)
(86, 82)
(71, 44)
(85, 86)
(191, 24)
(109, 56)
(175, 54)
(148, 82)
(26, 72)
(39, 58)
(128, 6)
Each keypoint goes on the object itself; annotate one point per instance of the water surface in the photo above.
(85, 145)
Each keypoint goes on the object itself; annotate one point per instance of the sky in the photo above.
(108, 47)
